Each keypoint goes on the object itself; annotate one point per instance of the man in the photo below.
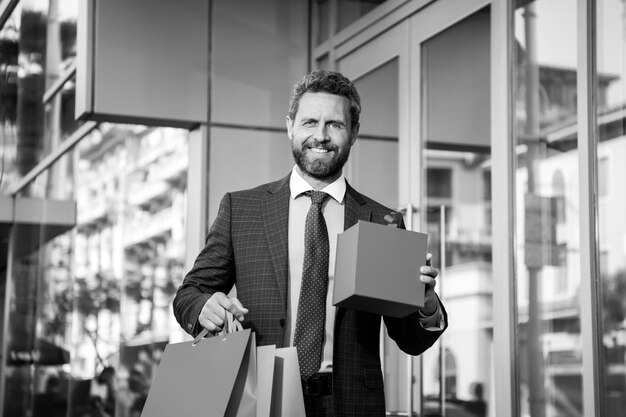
(262, 242)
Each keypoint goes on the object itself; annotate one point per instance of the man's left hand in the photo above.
(428, 275)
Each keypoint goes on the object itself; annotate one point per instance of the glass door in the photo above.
(450, 63)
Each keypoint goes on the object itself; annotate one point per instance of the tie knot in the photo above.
(317, 197)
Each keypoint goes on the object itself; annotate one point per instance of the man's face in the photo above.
(321, 135)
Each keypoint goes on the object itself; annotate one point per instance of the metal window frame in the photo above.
(590, 311)
(56, 87)
(6, 9)
(51, 158)
(503, 208)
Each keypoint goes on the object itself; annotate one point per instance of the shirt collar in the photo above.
(298, 185)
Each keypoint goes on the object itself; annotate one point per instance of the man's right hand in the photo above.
(213, 314)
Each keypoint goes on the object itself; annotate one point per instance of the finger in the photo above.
(209, 325)
(429, 257)
(231, 304)
(429, 281)
(237, 309)
(429, 270)
(217, 317)
(213, 313)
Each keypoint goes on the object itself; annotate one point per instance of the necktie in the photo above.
(309, 333)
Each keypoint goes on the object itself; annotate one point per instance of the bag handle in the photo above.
(230, 326)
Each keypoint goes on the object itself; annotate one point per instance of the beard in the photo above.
(320, 168)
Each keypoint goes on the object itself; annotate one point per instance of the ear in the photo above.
(289, 124)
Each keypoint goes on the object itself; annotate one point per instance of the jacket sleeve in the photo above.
(213, 271)
(408, 332)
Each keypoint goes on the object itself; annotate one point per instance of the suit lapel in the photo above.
(356, 208)
(276, 221)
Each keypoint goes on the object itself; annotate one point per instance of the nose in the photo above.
(321, 133)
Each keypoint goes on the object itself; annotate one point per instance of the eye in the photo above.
(337, 126)
(309, 123)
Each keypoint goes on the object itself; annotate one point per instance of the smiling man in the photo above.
(276, 243)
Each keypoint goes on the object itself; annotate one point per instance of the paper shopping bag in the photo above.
(204, 378)
(242, 402)
(265, 379)
(287, 398)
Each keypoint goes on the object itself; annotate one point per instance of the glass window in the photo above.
(267, 158)
(322, 20)
(259, 49)
(40, 305)
(37, 46)
(377, 143)
(59, 120)
(349, 11)
(546, 188)
(101, 286)
(439, 183)
(329, 20)
(377, 183)
(611, 91)
(128, 252)
(457, 370)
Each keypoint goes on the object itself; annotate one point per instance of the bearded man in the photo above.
(276, 243)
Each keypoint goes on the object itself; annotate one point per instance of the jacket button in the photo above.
(282, 322)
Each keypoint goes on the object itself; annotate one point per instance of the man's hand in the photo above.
(213, 314)
(393, 218)
(428, 275)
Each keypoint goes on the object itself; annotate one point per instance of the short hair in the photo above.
(331, 82)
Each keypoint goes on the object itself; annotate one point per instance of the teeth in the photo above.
(319, 150)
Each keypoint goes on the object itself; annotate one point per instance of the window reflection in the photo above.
(349, 11)
(548, 267)
(457, 371)
(37, 44)
(346, 13)
(40, 309)
(611, 60)
(131, 197)
(101, 288)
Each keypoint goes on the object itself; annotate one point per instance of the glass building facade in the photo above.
(496, 126)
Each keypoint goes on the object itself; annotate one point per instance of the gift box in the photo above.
(377, 269)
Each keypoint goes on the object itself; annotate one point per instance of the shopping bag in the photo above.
(287, 398)
(265, 378)
(212, 377)
(242, 402)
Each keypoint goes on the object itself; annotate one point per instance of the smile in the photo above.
(319, 150)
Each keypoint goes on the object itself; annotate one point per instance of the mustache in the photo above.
(317, 144)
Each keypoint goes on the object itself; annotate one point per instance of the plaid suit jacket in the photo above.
(247, 247)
